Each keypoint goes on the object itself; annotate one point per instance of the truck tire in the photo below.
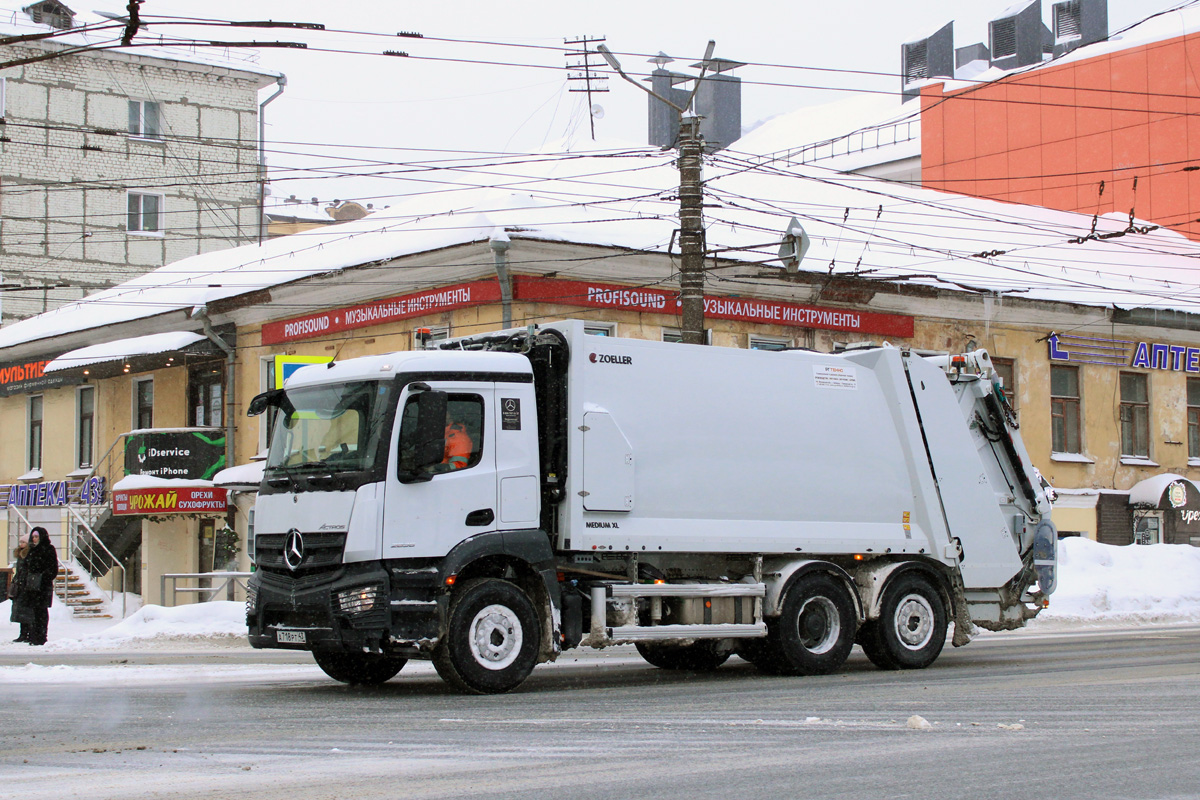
(366, 669)
(911, 629)
(815, 631)
(492, 639)
(702, 656)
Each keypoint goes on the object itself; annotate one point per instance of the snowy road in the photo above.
(1101, 713)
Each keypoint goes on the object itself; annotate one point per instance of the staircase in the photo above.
(78, 594)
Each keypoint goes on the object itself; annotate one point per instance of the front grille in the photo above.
(321, 551)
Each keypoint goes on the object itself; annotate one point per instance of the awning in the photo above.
(1150, 491)
(138, 354)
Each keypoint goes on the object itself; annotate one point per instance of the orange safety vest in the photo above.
(458, 446)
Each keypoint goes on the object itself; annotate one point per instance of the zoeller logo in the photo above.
(604, 358)
(293, 549)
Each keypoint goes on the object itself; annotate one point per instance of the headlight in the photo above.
(357, 601)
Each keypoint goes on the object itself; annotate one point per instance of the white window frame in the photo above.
(3, 96)
(30, 466)
(79, 392)
(600, 328)
(140, 231)
(676, 335)
(754, 338)
(437, 333)
(140, 133)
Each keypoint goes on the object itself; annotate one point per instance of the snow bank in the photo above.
(1134, 583)
(219, 618)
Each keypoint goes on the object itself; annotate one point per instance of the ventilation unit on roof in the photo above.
(1020, 38)
(931, 57)
(52, 13)
(718, 103)
(970, 53)
(1078, 23)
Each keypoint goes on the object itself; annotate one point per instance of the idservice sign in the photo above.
(194, 455)
(174, 500)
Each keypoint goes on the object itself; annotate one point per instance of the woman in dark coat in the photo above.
(41, 568)
(20, 614)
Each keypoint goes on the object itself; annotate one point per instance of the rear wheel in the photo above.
(911, 629)
(492, 640)
(367, 669)
(815, 631)
(702, 656)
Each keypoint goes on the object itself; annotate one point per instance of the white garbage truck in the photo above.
(503, 498)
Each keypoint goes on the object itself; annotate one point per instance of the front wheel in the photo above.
(815, 632)
(911, 628)
(366, 669)
(702, 656)
(492, 639)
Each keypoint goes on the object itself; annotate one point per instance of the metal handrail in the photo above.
(29, 526)
(819, 151)
(232, 579)
(90, 561)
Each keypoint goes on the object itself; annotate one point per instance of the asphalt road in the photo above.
(1100, 714)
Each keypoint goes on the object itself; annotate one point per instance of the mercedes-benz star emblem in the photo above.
(293, 549)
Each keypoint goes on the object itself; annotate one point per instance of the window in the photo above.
(464, 432)
(769, 343)
(3, 87)
(1006, 368)
(1135, 415)
(206, 386)
(143, 404)
(144, 213)
(334, 428)
(676, 335)
(1193, 417)
(600, 329)
(1064, 409)
(85, 426)
(144, 119)
(35, 432)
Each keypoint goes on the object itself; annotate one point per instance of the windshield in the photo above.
(334, 428)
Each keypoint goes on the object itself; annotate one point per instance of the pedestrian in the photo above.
(20, 612)
(41, 568)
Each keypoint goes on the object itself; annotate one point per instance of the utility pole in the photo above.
(584, 65)
(691, 203)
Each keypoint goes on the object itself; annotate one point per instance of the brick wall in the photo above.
(67, 163)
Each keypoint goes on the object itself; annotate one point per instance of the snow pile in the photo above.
(1134, 583)
(219, 618)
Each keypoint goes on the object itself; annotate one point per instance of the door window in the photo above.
(463, 431)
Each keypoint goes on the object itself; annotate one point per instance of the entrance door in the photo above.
(1148, 529)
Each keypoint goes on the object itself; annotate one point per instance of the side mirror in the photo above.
(423, 438)
(274, 397)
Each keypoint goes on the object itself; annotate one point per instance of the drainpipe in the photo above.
(281, 81)
(500, 246)
(230, 357)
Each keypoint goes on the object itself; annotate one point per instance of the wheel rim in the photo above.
(914, 621)
(496, 637)
(819, 625)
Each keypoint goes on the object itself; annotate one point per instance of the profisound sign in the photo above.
(180, 500)
(377, 312)
(601, 295)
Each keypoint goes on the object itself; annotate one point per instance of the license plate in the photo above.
(290, 637)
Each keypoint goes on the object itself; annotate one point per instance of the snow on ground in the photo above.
(1098, 585)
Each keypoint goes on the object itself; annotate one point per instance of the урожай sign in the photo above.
(170, 500)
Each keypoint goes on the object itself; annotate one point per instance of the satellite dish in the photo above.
(597, 111)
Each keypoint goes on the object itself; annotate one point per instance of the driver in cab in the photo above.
(458, 445)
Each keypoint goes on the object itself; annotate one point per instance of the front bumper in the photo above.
(357, 608)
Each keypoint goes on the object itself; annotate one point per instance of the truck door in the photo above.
(456, 499)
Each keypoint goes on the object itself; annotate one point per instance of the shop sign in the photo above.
(173, 500)
(1124, 353)
(378, 312)
(193, 455)
(23, 377)
(56, 493)
(600, 295)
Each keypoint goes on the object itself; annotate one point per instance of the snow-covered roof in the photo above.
(627, 198)
(1150, 491)
(124, 348)
(242, 476)
(14, 21)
